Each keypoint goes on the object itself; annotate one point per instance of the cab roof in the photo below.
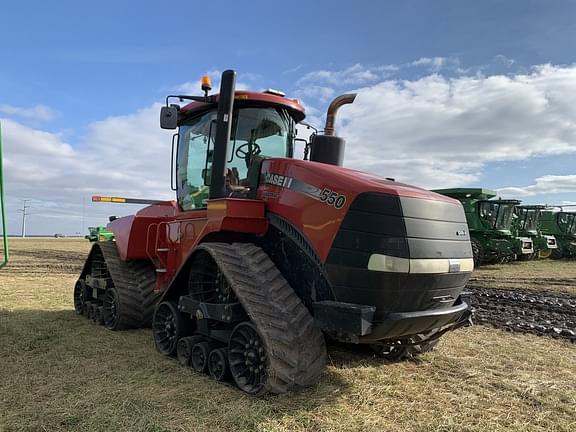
(463, 193)
(249, 98)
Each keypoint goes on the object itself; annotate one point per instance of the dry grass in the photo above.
(540, 275)
(61, 372)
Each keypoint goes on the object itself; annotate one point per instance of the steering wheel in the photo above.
(243, 153)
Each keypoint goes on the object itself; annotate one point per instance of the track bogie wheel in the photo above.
(168, 326)
(98, 315)
(184, 349)
(88, 309)
(218, 364)
(200, 354)
(247, 358)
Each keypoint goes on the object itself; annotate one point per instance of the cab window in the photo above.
(195, 146)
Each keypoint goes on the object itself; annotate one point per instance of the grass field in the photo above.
(549, 275)
(62, 372)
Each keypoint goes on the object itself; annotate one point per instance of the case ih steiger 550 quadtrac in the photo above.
(262, 255)
(491, 225)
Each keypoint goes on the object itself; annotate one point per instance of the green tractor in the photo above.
(98, 234)
(562, 225)
(490, 225)
(527, 224)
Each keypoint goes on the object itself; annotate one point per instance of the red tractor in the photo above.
(263, 256)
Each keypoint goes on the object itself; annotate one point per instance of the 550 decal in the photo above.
(332, 198)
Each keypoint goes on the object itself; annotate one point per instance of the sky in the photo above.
(451, 93)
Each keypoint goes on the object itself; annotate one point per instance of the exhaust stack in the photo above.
(329, 148)
(333, 109)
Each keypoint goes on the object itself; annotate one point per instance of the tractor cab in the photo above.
(260, 125)
(497, 214)
(257, 132)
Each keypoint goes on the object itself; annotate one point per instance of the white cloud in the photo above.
(549, 184)
(122, 156)
(441, 131)
(432, 132)
(37, 112)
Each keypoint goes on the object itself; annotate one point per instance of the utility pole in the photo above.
(24, 214)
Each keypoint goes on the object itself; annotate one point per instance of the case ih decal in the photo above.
(327, 196)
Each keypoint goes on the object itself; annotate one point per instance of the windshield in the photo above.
(489, 212)
(504, 220)
(262, 132)
(529, 219)
(496, 215)
(567, 222)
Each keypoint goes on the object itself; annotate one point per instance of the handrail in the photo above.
(5, 254)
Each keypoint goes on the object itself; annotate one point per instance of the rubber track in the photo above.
(295, 346)
(134, 282)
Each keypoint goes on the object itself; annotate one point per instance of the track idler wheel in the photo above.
(168, 326)
(247, 358)
(199, 356)
(111, 309)
(218, 364)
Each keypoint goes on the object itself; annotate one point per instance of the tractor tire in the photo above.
(544, 253)
(477, 252)
(556, 254)
(280, 327)
(130, 300)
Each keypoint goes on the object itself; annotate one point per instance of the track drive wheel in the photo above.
(199, 356)
(247, 358)
(168, 326)
(477, 252)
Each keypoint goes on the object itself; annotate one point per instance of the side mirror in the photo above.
(169, 117)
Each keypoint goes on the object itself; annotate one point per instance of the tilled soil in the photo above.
(543, 313)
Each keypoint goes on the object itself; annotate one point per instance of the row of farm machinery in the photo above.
(265, 257)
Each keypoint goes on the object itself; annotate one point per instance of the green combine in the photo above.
(99, 233)
(490, 225)
(527, 224)
(562, 225)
